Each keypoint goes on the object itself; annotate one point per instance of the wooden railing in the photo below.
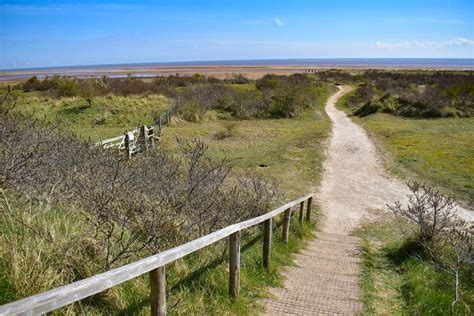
(155, 266)
(121, 142)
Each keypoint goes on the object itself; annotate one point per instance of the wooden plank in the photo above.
(158, 291)
(111, 140)
(300, 219)
(308, 209)
(70, 293)
(286, 225)
(267, 243)
(234, 264)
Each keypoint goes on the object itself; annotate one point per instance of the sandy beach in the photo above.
(218, 71)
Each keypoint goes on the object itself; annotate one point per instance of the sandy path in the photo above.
(355, 186)
(354, 180)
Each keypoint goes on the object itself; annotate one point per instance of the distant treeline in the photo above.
(427, 94)
(68, 86)
(269, 97)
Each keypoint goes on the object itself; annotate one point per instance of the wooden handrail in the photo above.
(73, 292)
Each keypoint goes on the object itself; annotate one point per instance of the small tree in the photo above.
(453, 253)
(431, 211)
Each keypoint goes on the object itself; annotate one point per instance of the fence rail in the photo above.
(132, 147)
(155, 266)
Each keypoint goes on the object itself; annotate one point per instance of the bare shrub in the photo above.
(454, 254)
(130, 208)
(428, 209)
(445, 240)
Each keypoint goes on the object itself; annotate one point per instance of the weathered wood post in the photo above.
(308, 209)
(127, 145)
(234, 265)
(158, 291)
(168, 117)
(286, 225)
(151, 137)
(267, 243)
(144, 138)
(301, 212)
(159, 123)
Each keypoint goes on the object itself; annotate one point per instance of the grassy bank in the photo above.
(438, 151)
(197, 284)
(289, 150)
(396, 281)
(107, 116)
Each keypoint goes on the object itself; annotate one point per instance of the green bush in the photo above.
(192, 111)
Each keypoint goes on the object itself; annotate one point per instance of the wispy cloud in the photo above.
(457, 42)
(278, 21)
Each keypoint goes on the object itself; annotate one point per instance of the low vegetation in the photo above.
(273, 97)
(70, 210)
(416, 94)
(420, 261)
(106, 117)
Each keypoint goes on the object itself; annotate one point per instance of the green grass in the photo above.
(108, 116)
(397, 283)
(291, 150)
(197, 284)
(438, 151)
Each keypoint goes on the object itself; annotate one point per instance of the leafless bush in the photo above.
(454, 252)
(130, 207)
(441, 234)
(428, 209)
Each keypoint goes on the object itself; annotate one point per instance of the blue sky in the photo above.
(54, 33)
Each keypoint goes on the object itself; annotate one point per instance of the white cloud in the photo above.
(457, 42)
(278, 21)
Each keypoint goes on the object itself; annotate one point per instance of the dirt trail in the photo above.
(354, 181)
(355, 186)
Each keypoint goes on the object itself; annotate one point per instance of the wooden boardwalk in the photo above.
(325, 280)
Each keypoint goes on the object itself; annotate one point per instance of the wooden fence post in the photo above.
(143, 138)
(151, 136)
(234, 265)
(301, 212)
(127, 145)
(308, 209)
(267, 243)
(158, 291)
(286, 225)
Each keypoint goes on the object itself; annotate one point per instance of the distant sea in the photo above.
(409, 63)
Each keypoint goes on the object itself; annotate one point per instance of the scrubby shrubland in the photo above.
(67, 86)
(70, 209)
(415, 94)
(274, 97)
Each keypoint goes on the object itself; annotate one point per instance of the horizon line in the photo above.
(202, 62)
